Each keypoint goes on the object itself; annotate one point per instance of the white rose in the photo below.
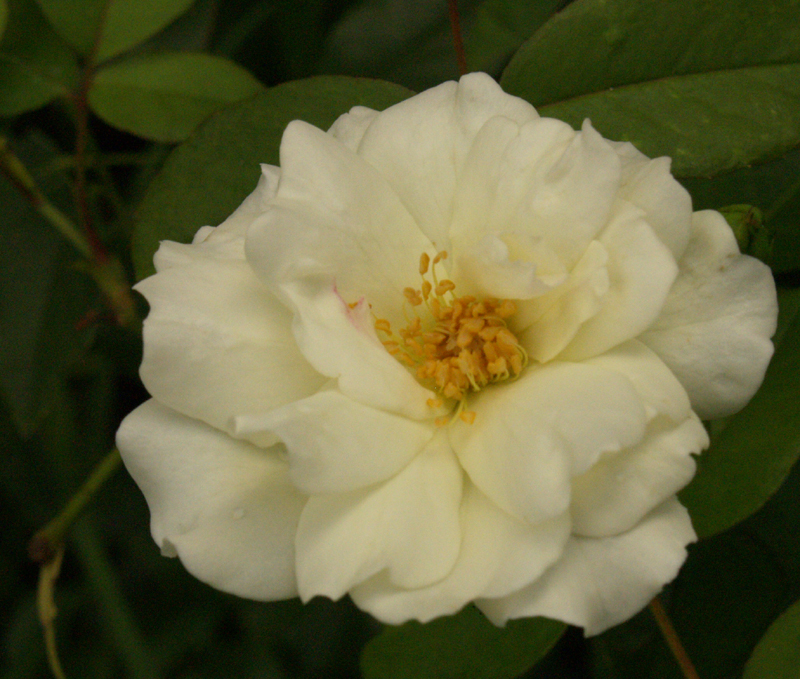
(324, 422)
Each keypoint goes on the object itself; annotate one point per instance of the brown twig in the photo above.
(673, 640)
(458, 43)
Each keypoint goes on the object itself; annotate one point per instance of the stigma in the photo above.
(455, 344)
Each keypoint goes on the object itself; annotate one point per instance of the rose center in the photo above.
(462, 344)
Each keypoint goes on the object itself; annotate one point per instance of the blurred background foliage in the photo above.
(94, 96)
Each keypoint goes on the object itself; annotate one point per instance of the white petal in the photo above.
(572, 203)
(601, 582)
(217, 343)
(336, 444)
(641, 271)
(714, 329)
(547, 182)
(408, 525)
(350, 127)
(548, 323)
(506, 165)
(225, 241)
(499, 554)
(532, 435)
(341, 343)
(614, 495)
(660, 391)
(490, 271)
(419, 145)
(334, 217)
(226, 508)
(650, 186)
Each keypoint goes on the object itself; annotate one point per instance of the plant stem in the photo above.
(45, 604)
(44, 545)
(458, 43)
(16, 173)
(106, 270)
(673, 640)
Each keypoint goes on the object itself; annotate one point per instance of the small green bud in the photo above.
(753, 235)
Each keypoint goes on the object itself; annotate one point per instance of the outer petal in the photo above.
(226, 508)
(335, 217)
(350, 127)
(614, 495)
(499, 554)
(419, 145)
(531, 436)
(336, 444)
(408, 525)
(714, 329)
(623, 487)
(599, 583)
(225, 241)
(650, 186)
(218, 344)
(641, 271)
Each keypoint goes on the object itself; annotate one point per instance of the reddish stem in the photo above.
(81, 100)
(673, 640)
(458, 43)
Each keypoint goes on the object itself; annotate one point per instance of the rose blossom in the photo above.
(449, 352)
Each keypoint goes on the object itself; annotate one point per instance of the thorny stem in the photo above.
(44, 545)
(458, 43)
(673, 640)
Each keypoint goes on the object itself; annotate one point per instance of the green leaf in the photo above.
(35, 65)
(777, 655)
(726, 595)
(411, 44)
(44, 296)
(500, 27)
(594, 45)
(747, 462)
(714, 85)
(463, 645)
(774, 187)
(164, 97)
(699, 120)
(116, 25)
(226, 151)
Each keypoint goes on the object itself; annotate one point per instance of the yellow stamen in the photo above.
(464, 344)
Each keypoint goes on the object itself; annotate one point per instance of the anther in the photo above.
(382, 325)
(413, 296)
(445, 286)
(424, 261)
(467, 416)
